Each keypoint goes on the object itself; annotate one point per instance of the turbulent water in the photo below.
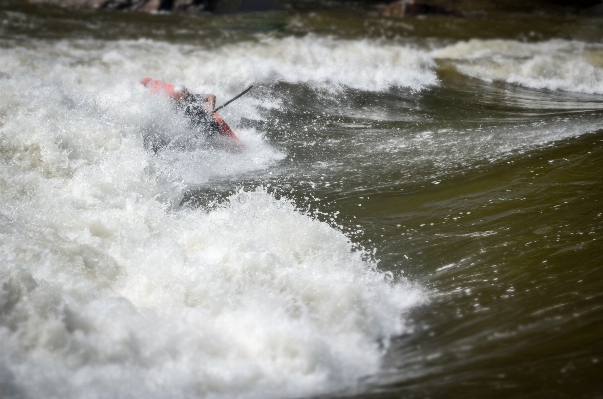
(414, 208)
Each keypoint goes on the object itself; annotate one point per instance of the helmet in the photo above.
(180, 92)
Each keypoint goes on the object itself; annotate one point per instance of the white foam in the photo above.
(319, 61)
(253, 299)
(107, 290)
(555, 64)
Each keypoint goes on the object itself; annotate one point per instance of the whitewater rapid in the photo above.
(112, 288)
(553, 65)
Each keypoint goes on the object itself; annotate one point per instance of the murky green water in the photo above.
(465, 155)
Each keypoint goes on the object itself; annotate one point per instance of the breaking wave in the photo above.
(109, 289)
(555, 65)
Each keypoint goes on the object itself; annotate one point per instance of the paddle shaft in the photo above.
(232, 99)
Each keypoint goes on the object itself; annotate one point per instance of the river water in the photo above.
(414, 211)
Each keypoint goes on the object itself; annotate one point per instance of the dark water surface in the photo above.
(464, 156)
(508, 244)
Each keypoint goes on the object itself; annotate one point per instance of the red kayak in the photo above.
(159, 87)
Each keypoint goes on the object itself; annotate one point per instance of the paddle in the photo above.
(232, 99)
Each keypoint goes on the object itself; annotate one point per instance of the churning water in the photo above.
(409, 213)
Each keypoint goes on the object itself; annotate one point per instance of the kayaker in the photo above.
(181, 93)
(196, 111)
(192, 105)
(202, 117)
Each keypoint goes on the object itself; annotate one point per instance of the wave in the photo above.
(109, 289)
(319, 61)
(555, 64)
